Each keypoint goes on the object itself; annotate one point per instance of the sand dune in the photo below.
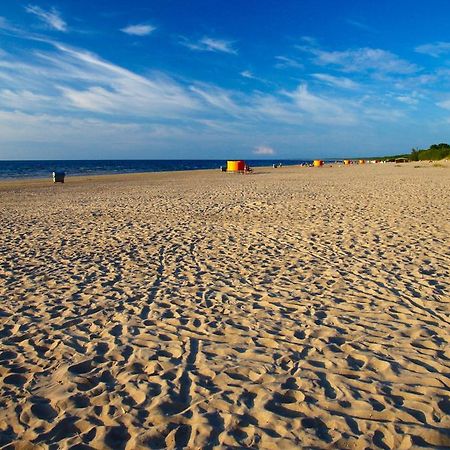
(291, 308)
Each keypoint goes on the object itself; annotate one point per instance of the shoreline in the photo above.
(77, 179)
(6, 183)
(220, 163)
(123, 177)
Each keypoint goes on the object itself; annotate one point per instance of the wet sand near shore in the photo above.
(290, 308)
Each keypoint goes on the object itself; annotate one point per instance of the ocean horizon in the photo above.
(44, 168)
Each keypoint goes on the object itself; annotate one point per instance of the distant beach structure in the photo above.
(58, 177)
(235, 166)
(238, 166)
(318, 163)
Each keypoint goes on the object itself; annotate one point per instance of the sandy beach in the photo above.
(290, 308)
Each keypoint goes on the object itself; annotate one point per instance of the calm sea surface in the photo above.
(42, 169)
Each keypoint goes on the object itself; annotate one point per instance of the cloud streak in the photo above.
(322, 109)
(207, 44)
(263, 150)
(72, 89)
(359, 25)
(51, 18)
(436, 49)
(138, 30)
(361, 60)
(340, 82)
(283, 62)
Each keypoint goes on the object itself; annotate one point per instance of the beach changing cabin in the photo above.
(318, 163)
(58, 177)
(236, 166)
(347, 162)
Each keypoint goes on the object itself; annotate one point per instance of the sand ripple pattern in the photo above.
(296, 308)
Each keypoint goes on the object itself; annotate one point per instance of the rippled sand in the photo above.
(290, 308)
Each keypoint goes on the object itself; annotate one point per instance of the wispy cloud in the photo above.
(57, 84)
(25, 136)
(251, 76)
(77, 79)
(23, 99)
(444, 103)
(263, 150)
(51, 18)
(367, 59)
(248, 74)
(407, 99)
(115, 89)
(139, 29)
(3, 22)
(322, 109)
(360, 60)
(284, 62)
(436, 49)
(341, 82)
(207, 44)
(360, 25)
(218, 98)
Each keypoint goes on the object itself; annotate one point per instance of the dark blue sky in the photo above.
(217, 79)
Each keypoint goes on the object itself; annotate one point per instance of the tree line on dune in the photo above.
(435, 152)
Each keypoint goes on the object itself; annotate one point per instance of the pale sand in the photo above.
(291, 308)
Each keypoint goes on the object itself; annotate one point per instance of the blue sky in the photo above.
(217, 79)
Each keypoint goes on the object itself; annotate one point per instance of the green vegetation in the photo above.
(392, 158)
(435, 153)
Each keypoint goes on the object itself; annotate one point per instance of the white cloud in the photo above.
(341, 82)
(248, 74)
(207, 44)
(407, 99)
(285, 62)
(264, 150)
(383, 115)
(217, 45)
(219, 99)
(53, 87)
(436, 49)
(360, 25)
(323, 109)
(367, 59)
(309, 40)
(138, 30)
(16, 125)
(251, 76)
(78, 80)
(115, 90)
(53, 136)
(444, 104)
(361, 60)
(23, 99)
(270, 107)
(51, 18)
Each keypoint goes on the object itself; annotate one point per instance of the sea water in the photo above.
(43, 169)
